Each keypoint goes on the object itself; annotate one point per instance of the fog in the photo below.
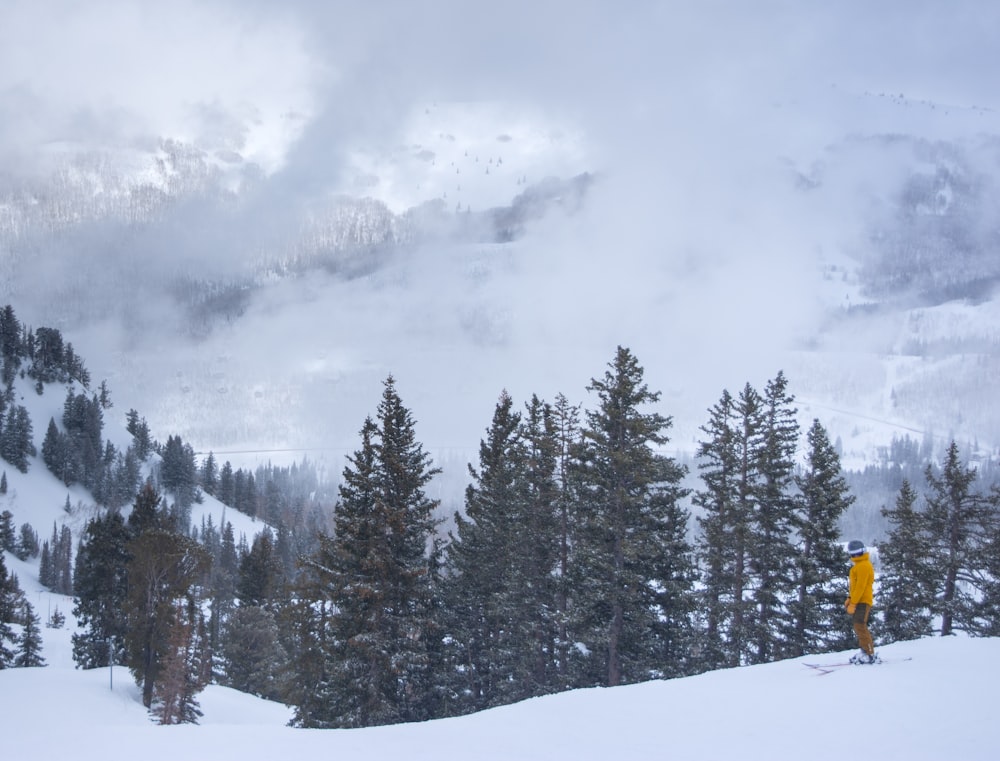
(699, 244)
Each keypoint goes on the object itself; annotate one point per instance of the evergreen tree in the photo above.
(45, 566)
(83, 422)
(259, 579)
(484, 564)
(566, 426)
(54, 454)
(8, 597)
(253, 657)
(209, 475)
(536, 599)
(987, 613)
(182, 674)
(16, 438)
(8, 538)
(225, 490)
(100, 592)
(11, 347)
(142, 441)
(163, 568)
(29, 652)
(819, 623)
(908, 577)
(27, 546)
(377, 571)
(725, 464)
(772, 550)
(959, 523)
(179, 475)
(627, 491)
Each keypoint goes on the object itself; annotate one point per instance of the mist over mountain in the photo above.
(251, 223)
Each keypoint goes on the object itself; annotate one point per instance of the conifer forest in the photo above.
(583, 553)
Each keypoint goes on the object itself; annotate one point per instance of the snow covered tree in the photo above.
(179, 475)
(8, 599)
(500, 592)
(253, 658)
(626, 493)
(907, 584)
(819, 623)
(16, 444)
(260, 576)
(567, 439)
(746, 541)
(29, 642)
(725, 466)
(163, 567)
(377, 570)
(100, 591)
(8, 537)
(959, 523)
(772, 553)
(27, 546)
(209, 475)
(479, 557)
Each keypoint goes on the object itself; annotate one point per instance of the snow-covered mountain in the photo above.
(472, 205)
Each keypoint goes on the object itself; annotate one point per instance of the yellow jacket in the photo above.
(861, 580)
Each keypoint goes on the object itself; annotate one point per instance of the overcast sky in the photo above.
(697, 116)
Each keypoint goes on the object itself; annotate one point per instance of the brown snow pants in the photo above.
(860, 621)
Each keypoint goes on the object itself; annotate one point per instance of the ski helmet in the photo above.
(855, 547)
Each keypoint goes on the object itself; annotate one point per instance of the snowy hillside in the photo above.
(39, 498)
(937, 705)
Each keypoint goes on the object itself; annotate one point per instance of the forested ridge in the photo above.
(583, 555)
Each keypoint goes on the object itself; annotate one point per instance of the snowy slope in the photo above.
(39, 498)
(938, 705)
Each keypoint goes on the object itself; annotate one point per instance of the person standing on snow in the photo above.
(859, 599)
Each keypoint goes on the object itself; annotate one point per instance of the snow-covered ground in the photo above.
(936, 706)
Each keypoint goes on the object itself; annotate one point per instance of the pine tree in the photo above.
(253, 657)
(908, 578)
(16, 438)
(27, 546)
(959, 523)
(626, 491)
(182, 675)
(771, 548)
(209, 476)
(817, 607)
(377, 572)
(566, 425)
(8, 538)
(11, 347)
(259, 578)
(100, 592)
(225, 490)
(8, 594)
(725, 464)
(54, 454)
(179, 475)
(536, 596)
(29, 652)
(163, 567)
(483, 565)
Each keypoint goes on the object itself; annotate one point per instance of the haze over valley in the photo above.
(266, 212)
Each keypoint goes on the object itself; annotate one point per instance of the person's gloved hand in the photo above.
(850, 608)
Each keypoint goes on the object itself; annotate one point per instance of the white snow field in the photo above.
(936, 706)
